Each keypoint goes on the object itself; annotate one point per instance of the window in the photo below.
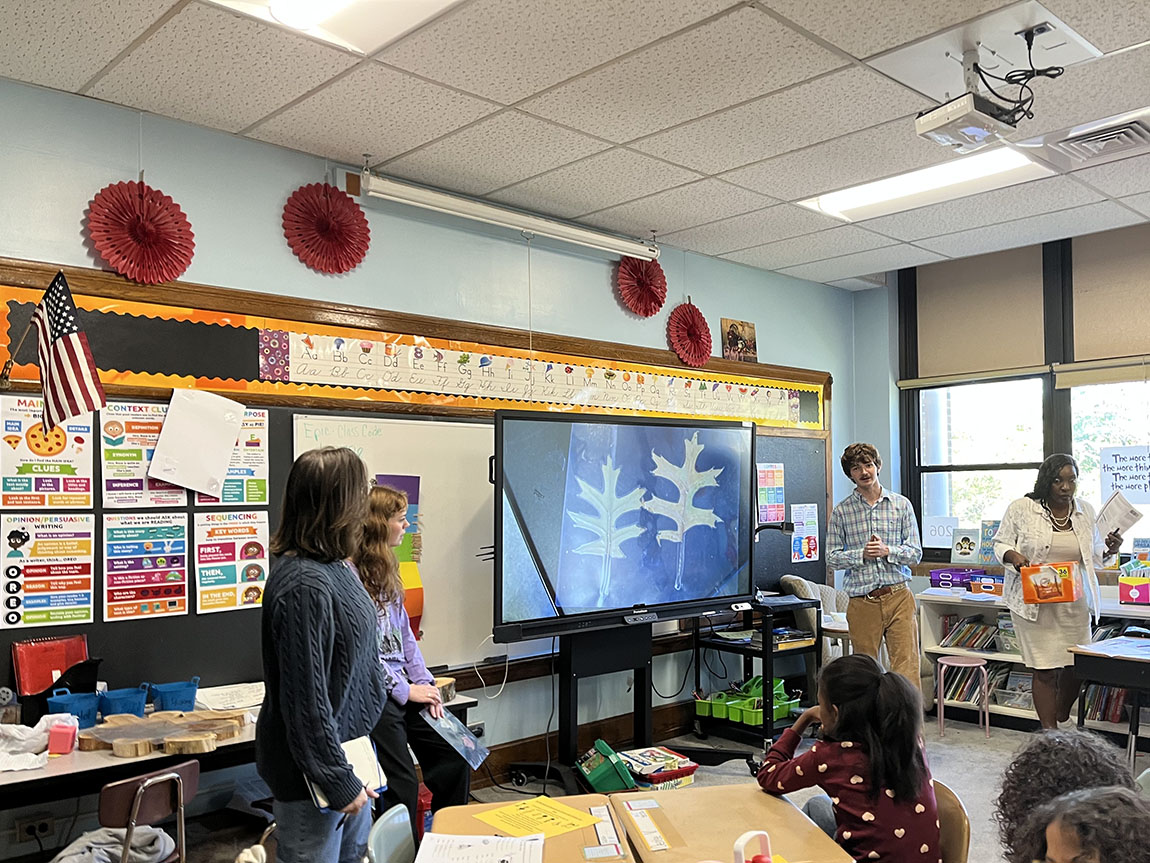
(979, 447)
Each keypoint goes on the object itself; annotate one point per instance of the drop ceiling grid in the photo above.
(685, 206)
(1126, 177)
(807, 248)
(864, 263)
(750, 229)
(1109, 25)
(1141, 203)
(210, 67)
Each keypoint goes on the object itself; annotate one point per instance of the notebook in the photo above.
(361, 756)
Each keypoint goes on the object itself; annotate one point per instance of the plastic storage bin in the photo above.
(1014, 698)
(1007, 642)
(604, 769)
(124, 701)
(82, 705)
(175, 696)
(783, 707)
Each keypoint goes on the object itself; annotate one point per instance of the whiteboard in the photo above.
(456, 518)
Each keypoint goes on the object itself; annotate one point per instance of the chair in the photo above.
(954, 825)
(148, 799)
(945, 662)
(390, 839)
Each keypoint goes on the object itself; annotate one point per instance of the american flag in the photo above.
(67, 372)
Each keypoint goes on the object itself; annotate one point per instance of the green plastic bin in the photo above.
(783, 707)
(604, 769)
(719, 705)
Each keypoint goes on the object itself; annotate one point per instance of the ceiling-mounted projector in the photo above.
(964, 124)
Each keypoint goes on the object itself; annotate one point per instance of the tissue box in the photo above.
(956, 576)
(1051, 582)
(1134, 590)
(986, 584)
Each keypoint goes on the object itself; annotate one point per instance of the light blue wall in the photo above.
(875, 396)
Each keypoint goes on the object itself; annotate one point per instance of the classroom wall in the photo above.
(874, 392)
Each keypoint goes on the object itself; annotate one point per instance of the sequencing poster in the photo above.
(771, 494)
(246, 483)
(128, 434)
(231, 560)
(47, 569)
(145, 565)
(44, 470)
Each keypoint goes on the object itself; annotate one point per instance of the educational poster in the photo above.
(1125, 469)
(772, 500)
(987, 532)
(48, 577)
(44, 470)
(247, 479)
(145, 565)
(128, 435)
(805, 541)
(231, 560)
(410, 551)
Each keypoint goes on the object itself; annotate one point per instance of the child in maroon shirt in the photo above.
(870, 761)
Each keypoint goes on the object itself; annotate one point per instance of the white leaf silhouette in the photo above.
(608, 510)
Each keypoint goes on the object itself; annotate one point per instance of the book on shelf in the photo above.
(986, 542)
(964, 545)
(1020, 681)
(971, 633)
(947, 622)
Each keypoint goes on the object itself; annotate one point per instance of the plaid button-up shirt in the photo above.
(852, 524)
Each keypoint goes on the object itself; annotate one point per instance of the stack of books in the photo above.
(972, 633)
(785, 637)
(1105, 702)
(657, 768)
(965, 684)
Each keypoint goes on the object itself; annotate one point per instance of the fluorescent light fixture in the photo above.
(466, 208)
(304, 14)
(983, 172)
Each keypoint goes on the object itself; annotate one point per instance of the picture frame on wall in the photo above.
(739, 341)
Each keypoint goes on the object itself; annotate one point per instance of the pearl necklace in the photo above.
(1059, 523)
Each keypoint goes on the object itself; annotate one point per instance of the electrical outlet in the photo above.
(35, 827)
(476, 728)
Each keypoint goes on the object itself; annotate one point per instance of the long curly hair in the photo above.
(1048, 473)
(378, 568)
(1112, 823)
(1051, 764)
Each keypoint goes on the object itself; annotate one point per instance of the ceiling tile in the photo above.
(1037, 229)
(727, 61)
(341, 121)
(831, 243)
(214, 68)
(865, 28)
(64, 43)
(863, 264)
(833, 105)
(872, 154)
(856, 284)
(751, 229)
(493, 153)
(595, 183)
(1001, 205)
(1117, 179)
(1106, 24)
(1141, 203)
(1089, 91)
(508, 49)
(678, 208)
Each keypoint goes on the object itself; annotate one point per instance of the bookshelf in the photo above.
(933, 608)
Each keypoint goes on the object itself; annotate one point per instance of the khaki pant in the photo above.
(890, 617)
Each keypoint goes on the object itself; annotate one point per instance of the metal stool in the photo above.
(945, 662)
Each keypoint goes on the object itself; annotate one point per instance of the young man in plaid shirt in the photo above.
(873, 535)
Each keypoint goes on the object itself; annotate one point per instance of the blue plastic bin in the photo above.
(176, 696)
(124, 701)
(82, 705)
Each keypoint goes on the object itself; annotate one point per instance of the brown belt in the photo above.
(883, 591)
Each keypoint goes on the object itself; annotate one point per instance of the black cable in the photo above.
(41, 844)
(547, 733)
(491, 776)
(1021, 79)
(707, 664)
(682, 686)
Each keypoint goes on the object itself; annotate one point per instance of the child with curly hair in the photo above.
(1096, 825)
(1051, 764)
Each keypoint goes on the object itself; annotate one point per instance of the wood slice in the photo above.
(88, 742)
(118, 719)
(190, 744)
(168, 716)
(223, 729)
(240, 716)
(127, 748)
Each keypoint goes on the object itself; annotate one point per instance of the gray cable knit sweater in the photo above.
(322, 678)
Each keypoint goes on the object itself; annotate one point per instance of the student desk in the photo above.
(1115, 662)
(565, 848)
(703, 824)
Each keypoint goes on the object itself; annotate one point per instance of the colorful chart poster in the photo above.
(47, 569)
(145, 565)
(772, 500)
(128, 434)
(231, 560)
(44, 470)
(410, 551)
(805, 541)
(247, 479)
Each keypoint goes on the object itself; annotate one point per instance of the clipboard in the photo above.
(360, 754)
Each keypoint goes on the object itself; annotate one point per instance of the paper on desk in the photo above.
(537, 815)
(23, 761)
(445, 848)
(234, 697)
(1117, 514)
(196, 441)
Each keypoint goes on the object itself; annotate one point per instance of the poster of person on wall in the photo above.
(739, 341)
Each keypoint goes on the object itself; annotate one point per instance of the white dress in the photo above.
(1060, 625)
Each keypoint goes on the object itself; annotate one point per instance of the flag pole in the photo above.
(5, 383)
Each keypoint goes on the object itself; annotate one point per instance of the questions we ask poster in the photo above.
(231, 560)
(145, 565)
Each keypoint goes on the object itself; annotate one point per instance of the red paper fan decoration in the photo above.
(642, 285)
(689, 334)
(326, 228)
(141, 232)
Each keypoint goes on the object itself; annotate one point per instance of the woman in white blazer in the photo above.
(1048, 525)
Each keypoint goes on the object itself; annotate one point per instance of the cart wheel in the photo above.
(702, 735)
(518, 777)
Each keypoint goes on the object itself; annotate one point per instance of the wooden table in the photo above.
(1115, 662)
(703, 824)
(565, 848)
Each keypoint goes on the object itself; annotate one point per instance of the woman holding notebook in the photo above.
(324, 684)
(1052, 525)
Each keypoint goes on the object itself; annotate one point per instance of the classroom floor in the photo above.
(964, 759)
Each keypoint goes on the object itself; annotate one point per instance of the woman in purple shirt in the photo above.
(445, 773)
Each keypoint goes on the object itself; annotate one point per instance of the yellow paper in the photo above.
(538, 815)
